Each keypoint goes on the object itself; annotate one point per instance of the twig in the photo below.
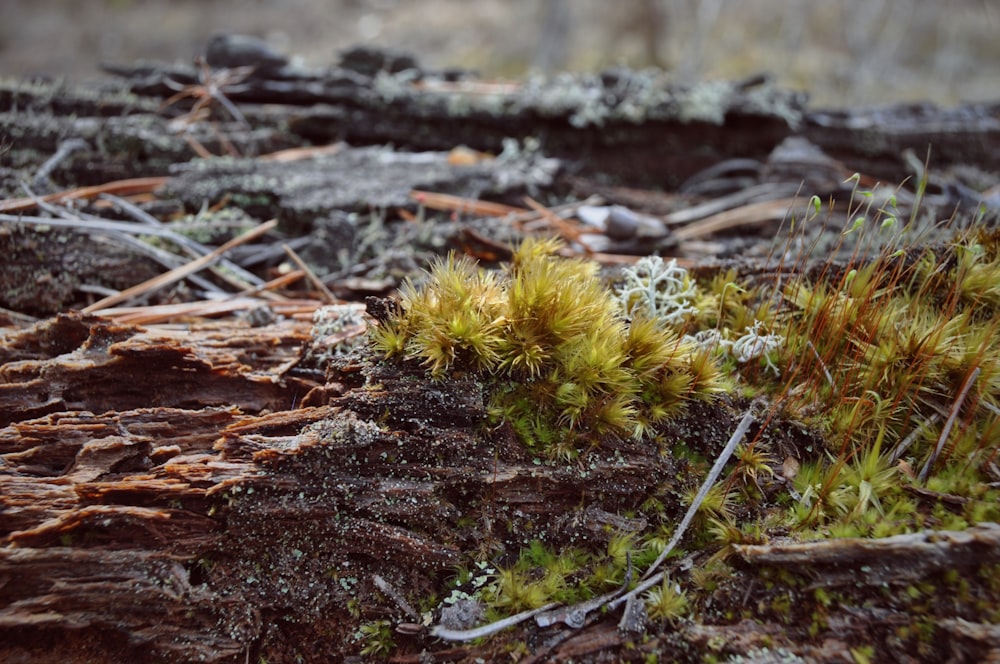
(277, 282)
(713, 475)
(486, 630)
(196, 249)
(390, 591)
(450, 203)
(650, 581)
(179, 273)
(161, 313)
(612, 600)
(95, 225)
(755, 213)
(764, 193)
(575, 616)
(65, 149)
(62, 213)
(164, 258)
(567, 230)
(912, 555)
(127, 228)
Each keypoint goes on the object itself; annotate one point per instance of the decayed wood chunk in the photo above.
(145, 513)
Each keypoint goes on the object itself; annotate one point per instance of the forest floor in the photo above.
(215, 465)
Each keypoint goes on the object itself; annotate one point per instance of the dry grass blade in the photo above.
(179, 273)
(238, 302)
(278, 282)
(240, 277)
(329, 297)
(449, 203)
(119, 187)
(755, 213)
(163, 313)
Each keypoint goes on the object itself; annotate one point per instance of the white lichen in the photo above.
(752, 345)
(658, 289)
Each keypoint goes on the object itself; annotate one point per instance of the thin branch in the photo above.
(63, 152)
(577, 613)
(575, 616)
(713, 475)
(491, 628)
(195, 249)
(390, 591)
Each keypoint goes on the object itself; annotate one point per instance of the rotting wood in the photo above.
(97, 365)
(185, 501)
(889, 559)
(185, 531)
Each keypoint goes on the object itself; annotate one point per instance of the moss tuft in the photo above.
(565, 365)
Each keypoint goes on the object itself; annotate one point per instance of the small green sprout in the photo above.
(377, 638)
(666, 601)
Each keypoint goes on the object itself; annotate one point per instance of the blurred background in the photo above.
(843, 52)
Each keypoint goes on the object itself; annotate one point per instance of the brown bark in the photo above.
(164, 494)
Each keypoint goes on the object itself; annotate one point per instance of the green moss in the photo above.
(666, 601)
(869, 360)
(376, 637)
(565, 367)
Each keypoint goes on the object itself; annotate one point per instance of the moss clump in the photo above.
(896, 360)
(563, 365)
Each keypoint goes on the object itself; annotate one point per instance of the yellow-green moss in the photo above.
(565, 365)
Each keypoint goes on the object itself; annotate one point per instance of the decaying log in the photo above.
(140, 515)
(100, 366)
(142, 518)
(223, 492)
(635, 126)
(29, 284)
(352, 179)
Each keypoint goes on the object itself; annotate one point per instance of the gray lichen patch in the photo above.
(354, 179)
(596, 100)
